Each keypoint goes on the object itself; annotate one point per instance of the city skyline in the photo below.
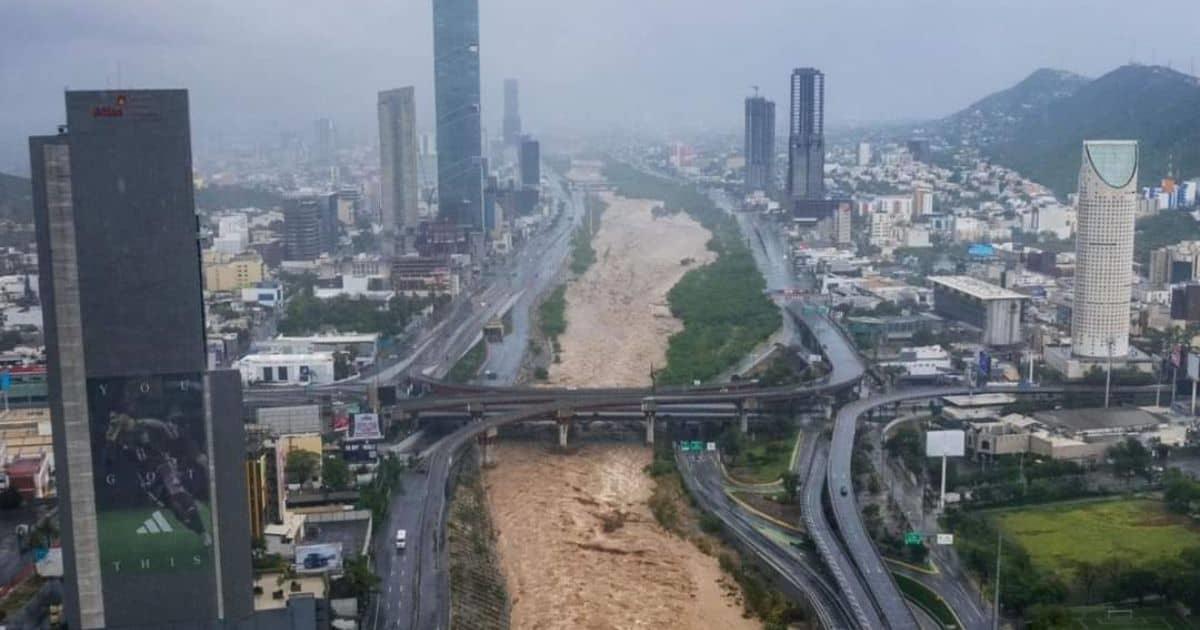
(51, 47)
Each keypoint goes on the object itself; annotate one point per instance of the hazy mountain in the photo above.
(16, 199)
(994, 117)
(1037, 126)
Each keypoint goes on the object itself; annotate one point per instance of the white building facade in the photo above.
(1104, 248)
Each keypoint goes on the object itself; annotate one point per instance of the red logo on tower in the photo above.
(116, 110)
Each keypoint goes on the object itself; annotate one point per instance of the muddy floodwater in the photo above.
(618, 320)
(581, 549)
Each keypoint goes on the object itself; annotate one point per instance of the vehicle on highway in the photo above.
(844, 492)
(489, 375)
(401, 539)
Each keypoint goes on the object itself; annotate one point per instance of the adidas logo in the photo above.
(156, 524)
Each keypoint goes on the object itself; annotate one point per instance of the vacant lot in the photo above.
(1135, 530)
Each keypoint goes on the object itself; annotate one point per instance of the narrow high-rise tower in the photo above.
(398, 165)
(324, 151)
(1104, 248)
(512, 113)
(806, 135)
(760, 145)
(456, 87)
(149, 447)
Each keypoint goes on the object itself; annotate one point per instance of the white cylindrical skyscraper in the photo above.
(1104, 248)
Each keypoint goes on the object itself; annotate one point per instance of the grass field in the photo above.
(764, 461)
(1092, 617)
(1136, 530)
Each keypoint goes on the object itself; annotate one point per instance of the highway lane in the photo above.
(537, 272)
(399, 571)
(702, 475)
(853, 588)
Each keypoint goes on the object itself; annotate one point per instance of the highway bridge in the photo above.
(861, 602)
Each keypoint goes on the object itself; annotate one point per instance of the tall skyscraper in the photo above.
(512, 113)
(302, 218)
(1104, 248)
(148, 447)
(398, 164)
(760, 145)
(530, 162)
(806, 135)
(324, 143)
(456, 86)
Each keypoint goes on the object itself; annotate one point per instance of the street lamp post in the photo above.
(1108, 373)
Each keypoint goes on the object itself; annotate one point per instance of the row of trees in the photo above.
(303, 466)
(306, 314)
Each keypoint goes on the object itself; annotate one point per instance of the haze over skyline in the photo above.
(272, 65)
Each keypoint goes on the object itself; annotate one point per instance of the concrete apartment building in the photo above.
(1174, 264)
(994, 310)
(223, 272)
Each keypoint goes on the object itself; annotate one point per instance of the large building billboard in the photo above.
(150, 459)
(319, 558)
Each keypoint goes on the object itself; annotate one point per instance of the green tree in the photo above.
(359, 577)
(335, 474)
(301, 466)
(1129, 458)
(1050, 617)
(730, 443)
(1088, 575)
(791, 485)
(1181, 493)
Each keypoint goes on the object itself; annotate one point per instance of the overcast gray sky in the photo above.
(583, 64)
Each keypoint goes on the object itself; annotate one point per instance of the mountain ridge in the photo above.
(1037, 126)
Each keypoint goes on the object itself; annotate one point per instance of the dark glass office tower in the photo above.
(456, 87)
(806, 135)
(760, 145)
(530, 163)
(302, 227)
(512, 113)
(148, 446)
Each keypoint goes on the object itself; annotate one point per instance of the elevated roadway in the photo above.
(793, 571)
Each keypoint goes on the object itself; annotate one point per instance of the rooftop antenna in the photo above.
(755, 88)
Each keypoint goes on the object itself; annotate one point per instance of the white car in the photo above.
(401, 539)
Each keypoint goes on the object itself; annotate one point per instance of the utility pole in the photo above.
(1158, 390)
(996, 602)
(1108, 373)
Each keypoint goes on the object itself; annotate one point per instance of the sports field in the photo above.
(1057, 537)
(1098, 617)
(150, 540)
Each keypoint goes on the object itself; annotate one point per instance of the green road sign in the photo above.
(912, 538)
(691, 447)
